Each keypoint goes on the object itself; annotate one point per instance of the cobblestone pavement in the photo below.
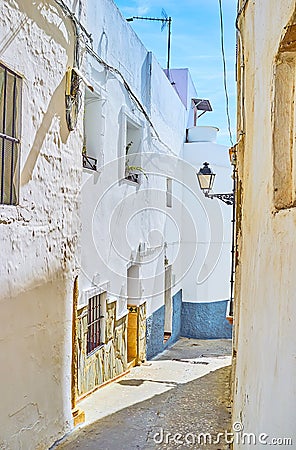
(175, 418)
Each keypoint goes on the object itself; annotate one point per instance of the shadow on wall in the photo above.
(146, 81)
(56, 107)
(192, 320)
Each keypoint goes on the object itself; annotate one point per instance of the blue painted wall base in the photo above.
(205, 320)
(155, 328)
(192, 320)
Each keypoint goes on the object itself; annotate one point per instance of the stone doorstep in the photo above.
(78, 416)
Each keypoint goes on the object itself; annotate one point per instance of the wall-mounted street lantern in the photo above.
(206, 178)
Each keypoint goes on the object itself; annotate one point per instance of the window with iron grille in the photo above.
(133, 145)
(93, 131)
(10, 129)
(94, 326)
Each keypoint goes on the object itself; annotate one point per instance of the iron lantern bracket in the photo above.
(227, 198)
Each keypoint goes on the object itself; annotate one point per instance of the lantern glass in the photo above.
(206, 178)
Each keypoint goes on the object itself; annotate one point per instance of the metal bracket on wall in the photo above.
(226, 198)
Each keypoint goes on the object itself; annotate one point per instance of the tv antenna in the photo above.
(165, 21)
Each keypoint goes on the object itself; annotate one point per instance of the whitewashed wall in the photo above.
(118, 215)
(39, 236)
(265, 308)
(208, 277)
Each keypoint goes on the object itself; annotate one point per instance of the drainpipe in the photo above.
(233, 246)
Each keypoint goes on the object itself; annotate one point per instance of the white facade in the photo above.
(265, 308)
(39, 234)
(120, 210)
(207, 279)
(132, 223)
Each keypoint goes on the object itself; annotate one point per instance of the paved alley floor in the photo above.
(178, 400)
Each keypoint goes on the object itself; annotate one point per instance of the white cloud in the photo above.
(142, 7)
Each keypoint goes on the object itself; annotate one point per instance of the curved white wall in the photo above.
(202, 134)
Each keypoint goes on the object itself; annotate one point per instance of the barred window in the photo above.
(94, 325)
(10, 129)
(133, 145)
(93, 131)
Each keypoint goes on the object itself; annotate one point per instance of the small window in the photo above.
(94, 324)
(10, 130)
(91, 152)
(169, 192)
(133, 169)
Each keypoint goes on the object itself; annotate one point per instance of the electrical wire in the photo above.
(77, 25)
(126, 85)
(129, 90)
(69, 13)
(242, 132)
(73, 101)
(225, 72)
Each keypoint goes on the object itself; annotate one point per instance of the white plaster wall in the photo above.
(191, 93)
(39, 236)
(118, 215)
(168, 113)
(183, 85)
(265, 393)
(111, 34)
(179, 79)
(209, 274)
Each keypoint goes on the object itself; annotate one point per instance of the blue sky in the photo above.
(195, 44)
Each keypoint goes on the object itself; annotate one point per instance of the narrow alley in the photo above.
(179, 399)
(147, 223)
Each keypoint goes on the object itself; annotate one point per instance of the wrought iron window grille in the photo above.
(10, 130)
(94, 329)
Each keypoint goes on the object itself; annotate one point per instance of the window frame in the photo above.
(169, 192)
(95, 328)
(92, 156)
(130, 121)
(14, 138)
